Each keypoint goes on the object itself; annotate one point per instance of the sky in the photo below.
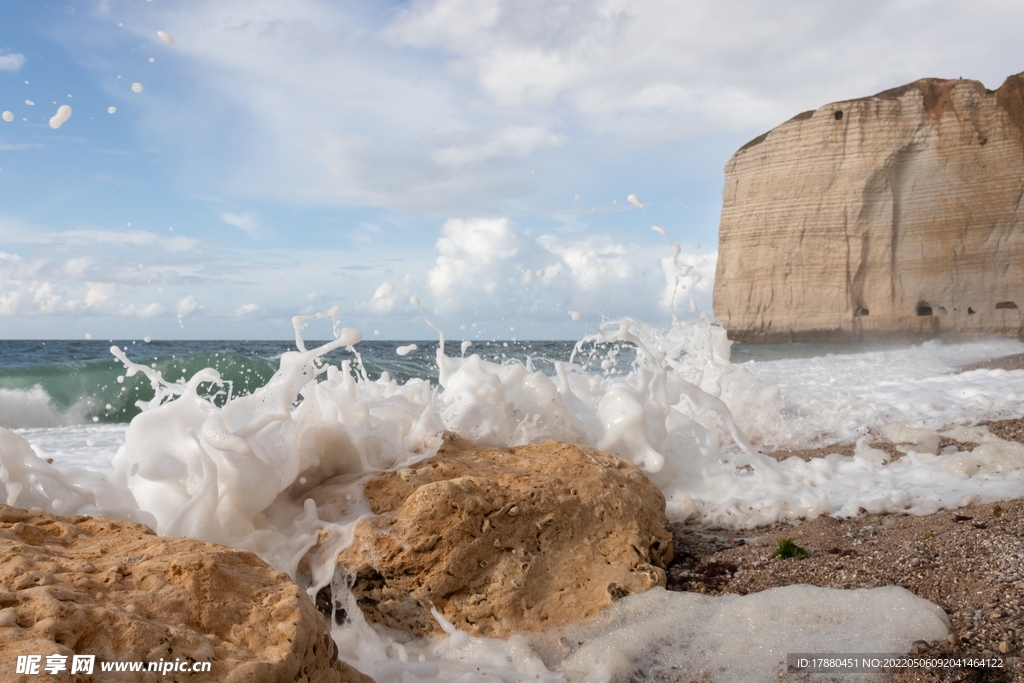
(229, 165)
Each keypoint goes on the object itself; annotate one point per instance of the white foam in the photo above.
(8, 116)
(61, 117)
(841, 397)
(33, 407)
(684, 636)
(31, 482)
(405, 350)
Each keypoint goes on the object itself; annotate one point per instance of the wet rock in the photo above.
(113, 589)
(507, 540)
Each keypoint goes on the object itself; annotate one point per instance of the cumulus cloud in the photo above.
(383, 299)
(247, 309)
(12, 62)
(150, 310)
(488, 266)
(98, 292)
(186, 306)
(478, 258)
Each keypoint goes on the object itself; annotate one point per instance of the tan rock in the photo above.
(507, 540)
(113, 589)
(892, 216)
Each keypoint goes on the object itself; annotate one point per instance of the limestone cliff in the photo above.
(896, 216)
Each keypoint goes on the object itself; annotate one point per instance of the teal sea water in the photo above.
(62, 381)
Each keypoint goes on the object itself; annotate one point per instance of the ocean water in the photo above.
(223, 440)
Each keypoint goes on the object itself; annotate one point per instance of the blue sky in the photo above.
(285, 157)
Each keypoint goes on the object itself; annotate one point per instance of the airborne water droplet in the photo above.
(136, 87)
(62, 115)
(166, 37)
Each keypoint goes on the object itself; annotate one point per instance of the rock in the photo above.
(896, 216)
(113, 589)
(506, 540)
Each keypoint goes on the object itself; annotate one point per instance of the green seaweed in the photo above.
(928, 536)
(789, 549)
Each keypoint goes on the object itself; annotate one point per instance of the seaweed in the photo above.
(787, 548)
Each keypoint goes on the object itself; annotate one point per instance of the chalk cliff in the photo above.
(896, 216)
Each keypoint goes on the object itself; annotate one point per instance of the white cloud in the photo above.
(246, 221)
(98, 292)
(518, 142)
(150, 310)
(247, 309)
(476, 255)
(487, 267)
(11, 62)
(186, 306)
(383, 300)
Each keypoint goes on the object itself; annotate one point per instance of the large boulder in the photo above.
(896, 216)
(506, 540)
(113, 589)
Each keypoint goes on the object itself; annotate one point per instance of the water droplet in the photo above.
(62, 115)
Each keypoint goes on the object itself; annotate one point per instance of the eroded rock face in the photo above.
(507, 540)
(897, 216)
(113, 589)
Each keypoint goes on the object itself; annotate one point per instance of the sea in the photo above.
(222, 440)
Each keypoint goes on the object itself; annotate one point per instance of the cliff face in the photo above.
(897, 216)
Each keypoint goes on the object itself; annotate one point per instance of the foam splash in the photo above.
(61, 117)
